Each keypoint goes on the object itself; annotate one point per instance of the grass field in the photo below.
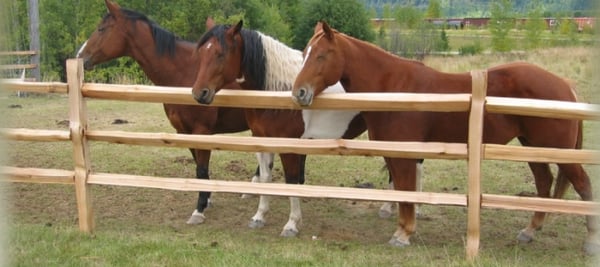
(146, 227)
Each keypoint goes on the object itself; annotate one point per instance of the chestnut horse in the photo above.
(259, 62)
(167, 61)
(331, 56)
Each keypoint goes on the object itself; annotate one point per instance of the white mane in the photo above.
(283, 64)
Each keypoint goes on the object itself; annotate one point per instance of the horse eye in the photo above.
(101, 29)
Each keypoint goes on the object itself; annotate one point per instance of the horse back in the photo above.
(525, 80)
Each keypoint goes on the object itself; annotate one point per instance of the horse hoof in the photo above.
(196, 218)
(254, 224)
(289, 233)
(523, 237)
(384, 214)
(591, 248)
(398, 243)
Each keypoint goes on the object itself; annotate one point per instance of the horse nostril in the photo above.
(302, 92)
(204, 93)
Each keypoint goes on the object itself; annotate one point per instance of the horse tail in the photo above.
(562, 182)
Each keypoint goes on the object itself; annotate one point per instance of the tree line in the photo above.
(480, 8)
(66, 24)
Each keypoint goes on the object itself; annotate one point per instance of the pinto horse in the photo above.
(259, 62)
(167, 61)
(331, 56)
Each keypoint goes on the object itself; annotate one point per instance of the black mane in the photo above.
(163, 39)
(253, 54)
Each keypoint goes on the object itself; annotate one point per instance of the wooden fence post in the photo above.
(479, 88)
(81, 159)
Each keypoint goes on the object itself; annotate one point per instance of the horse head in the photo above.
(108, 41)
(322, 66)
(220, 53)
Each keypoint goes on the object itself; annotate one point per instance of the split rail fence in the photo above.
(82, 176)
(18, 66)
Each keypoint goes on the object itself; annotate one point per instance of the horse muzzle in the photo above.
(303, 96)
(204, 96)
(87, 64)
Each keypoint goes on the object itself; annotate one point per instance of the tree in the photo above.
(347, 16)
(534, 26)
(502, 20)
(434, 9)
(409, 17)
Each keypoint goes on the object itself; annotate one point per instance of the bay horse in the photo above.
(331, 56)
(167, 61)
(259, 62)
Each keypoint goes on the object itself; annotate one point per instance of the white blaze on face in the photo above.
(307, 55)
(208, 45)
(81, 49)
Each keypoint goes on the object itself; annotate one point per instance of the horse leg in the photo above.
(562, 185)
(403, 172)
(386, 209)
(257, 174)
(543, 182)
(293, 167)
(202, 158)
(581, 183)
(265, 165)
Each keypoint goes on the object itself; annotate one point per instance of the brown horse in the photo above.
(331, 56)
(259, 62)
(167, 61)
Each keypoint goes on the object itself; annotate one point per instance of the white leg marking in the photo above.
(196, 218)
(291, 227)
(264, 160)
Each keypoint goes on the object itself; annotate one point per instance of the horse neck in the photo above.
(387, 71)
(164, 70)
(282, 65)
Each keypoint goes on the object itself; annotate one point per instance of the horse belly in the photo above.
(275, 123)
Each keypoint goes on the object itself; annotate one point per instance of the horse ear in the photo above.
(327, 30)
(113, 8)
(238, 27)
(210, 23)
(318, 27)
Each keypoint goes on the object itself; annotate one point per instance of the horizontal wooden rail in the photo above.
(351, 101)
(31, 175)
(35, 135)
(274, 189)
(540, 204)
(18, 53)
(540, 154)
(18, 66)
(542, 108)
(316, 146)
(282, 100)
(35, 87)
(286, 145)
(37, 175)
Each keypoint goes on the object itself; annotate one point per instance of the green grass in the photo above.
(146, 227)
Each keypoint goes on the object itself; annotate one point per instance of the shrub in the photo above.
(472, 49)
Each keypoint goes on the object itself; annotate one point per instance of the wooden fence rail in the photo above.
(474, 151)
(14, 55)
